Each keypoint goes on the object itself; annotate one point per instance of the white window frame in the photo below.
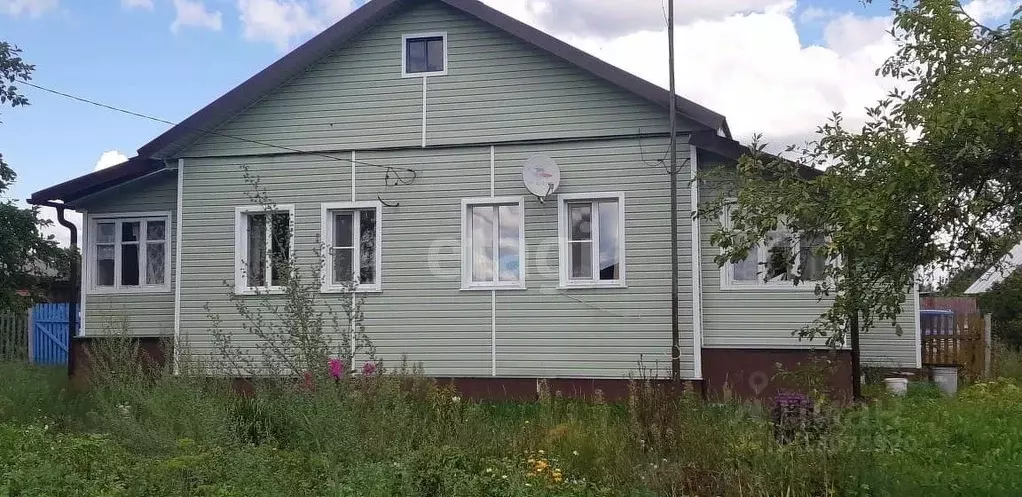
(563, 240)
(241, 247)
(727, 276)
(327, 236)
(404, 54)
(92, 222)
(466, 244)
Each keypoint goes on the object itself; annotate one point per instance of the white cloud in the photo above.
(752, 66)
(137, 4)
(284, 22)
(990, 10)
(611, 18)
(193, 13)
(31, 8)
(110, 158)
(815, 14)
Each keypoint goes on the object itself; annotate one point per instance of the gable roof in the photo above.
(998, 272)
(244, 95)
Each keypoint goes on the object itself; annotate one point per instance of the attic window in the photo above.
(424, 55)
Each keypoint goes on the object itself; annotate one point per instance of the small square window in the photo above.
(424, 55)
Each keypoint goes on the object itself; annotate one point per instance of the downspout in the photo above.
(72, 308)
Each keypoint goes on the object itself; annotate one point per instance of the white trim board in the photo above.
(177, 265)
(83, 269)
(918, 327)
(697, 274)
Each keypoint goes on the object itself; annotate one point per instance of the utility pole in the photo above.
(673, 173)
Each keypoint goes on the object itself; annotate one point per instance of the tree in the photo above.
(27, 260)
(932, 179)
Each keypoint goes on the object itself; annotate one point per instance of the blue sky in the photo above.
(130, 57)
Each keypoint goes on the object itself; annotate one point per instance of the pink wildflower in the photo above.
(368, 369)
(336, 368)
(309, 384)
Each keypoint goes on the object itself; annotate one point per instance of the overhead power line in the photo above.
(390, 169)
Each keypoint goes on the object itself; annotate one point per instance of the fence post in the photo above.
(28, 332)
(987, 344)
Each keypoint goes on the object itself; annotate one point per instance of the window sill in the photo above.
(128, 291)
(592, 284)
(423, 74)
(255, 292)
(487, 288)
(805, 287)
(359, 289)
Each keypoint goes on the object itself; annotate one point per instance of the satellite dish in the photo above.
(541, 176)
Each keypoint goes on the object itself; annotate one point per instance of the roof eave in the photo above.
(89, 184)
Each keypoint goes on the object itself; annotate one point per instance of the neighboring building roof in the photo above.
(237, 100)
(996, 274)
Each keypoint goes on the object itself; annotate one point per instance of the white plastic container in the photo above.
(946, 379)
(897, 386)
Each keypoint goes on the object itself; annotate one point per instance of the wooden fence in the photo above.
(956, 340)
(14, 342)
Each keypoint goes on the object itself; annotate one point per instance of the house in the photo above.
(396, 134)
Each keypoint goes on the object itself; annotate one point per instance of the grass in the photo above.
(401, 435)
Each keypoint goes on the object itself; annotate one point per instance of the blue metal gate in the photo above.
(49, 334)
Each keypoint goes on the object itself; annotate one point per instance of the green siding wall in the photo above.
(422, 314)
(497, 89)
(143, 314)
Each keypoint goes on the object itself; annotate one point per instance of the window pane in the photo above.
(482, 243)
(155, 230)
(610, 253)
(416, 56)
(105, 264)
(342, 265)
(256, 262)
(510, 258)
(156, 260)
(813, 264)
(435, 54)
(779, 256)
(367, 247)
(581, 260)
(129, 232)
(280, 243)
(106, 233)
(580, 221)
(747, 269)
(129, 264)
(343, 226)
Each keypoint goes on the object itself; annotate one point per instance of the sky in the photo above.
(774, 67)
